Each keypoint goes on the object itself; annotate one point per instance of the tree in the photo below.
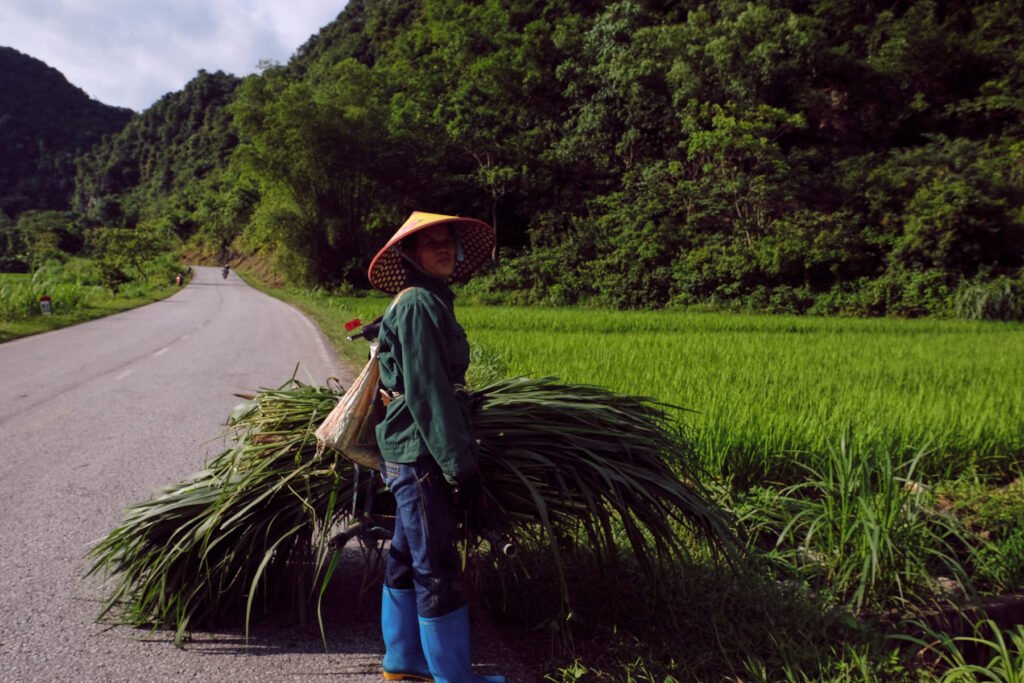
(311, 153)
(45, 235)
(123, 249)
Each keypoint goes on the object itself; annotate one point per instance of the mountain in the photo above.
(151, 169)
(45, 124)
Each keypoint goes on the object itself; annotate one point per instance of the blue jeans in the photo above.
(423, 551)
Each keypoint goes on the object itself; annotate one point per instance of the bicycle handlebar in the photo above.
(369, 331)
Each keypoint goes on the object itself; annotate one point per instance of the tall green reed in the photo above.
(862, 527)
(22, 300)
(989, 654)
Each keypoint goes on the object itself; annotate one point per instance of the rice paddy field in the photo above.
(770, 391)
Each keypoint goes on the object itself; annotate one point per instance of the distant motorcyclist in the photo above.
(179, 279)
(227, 269)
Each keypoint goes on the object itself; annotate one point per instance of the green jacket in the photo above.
(423, 356)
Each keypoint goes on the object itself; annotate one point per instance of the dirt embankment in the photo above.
(259, 263)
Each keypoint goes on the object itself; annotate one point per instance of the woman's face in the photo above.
(435, 250)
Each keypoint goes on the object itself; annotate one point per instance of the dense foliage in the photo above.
(790, 155)
(156, 171)
(45, 123)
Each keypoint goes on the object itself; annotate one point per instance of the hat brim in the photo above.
(476, 239)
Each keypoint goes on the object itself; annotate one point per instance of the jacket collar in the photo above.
(416, 277)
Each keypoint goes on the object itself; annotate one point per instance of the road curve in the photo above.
(94, 418)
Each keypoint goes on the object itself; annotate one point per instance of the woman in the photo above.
(430, 457)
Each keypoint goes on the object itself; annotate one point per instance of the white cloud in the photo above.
(131, 52)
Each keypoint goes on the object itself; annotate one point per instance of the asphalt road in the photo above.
(93, 418)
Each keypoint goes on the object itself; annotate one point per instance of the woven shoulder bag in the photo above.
(350, 428)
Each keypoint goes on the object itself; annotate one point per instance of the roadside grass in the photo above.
(994, 513)
(989, 653)
(863, 458)
(75, 294)
(861, 531)
(94, 309)
(705, 622)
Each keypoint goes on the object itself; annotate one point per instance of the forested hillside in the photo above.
(45, 123)
(160, 168)
(791, 155)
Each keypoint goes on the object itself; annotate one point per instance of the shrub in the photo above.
(907, 293)
(862, 528)
(1001, 298)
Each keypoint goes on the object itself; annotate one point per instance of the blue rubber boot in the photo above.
(446, 646)
(403, 653)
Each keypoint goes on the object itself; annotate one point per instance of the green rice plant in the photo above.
(765, 389)
(567, 465)
(863, 528)
(990, 654)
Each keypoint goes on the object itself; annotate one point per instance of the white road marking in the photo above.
(162, 351)
(124, 373)
(325, 355)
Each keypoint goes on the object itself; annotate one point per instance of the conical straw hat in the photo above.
(475, 244)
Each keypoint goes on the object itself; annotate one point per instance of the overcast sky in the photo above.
(129, 53)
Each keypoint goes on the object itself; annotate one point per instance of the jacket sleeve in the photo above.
(429, 394)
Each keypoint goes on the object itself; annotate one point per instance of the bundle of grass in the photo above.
(564, 464)
(238, 535)
(582, 466)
